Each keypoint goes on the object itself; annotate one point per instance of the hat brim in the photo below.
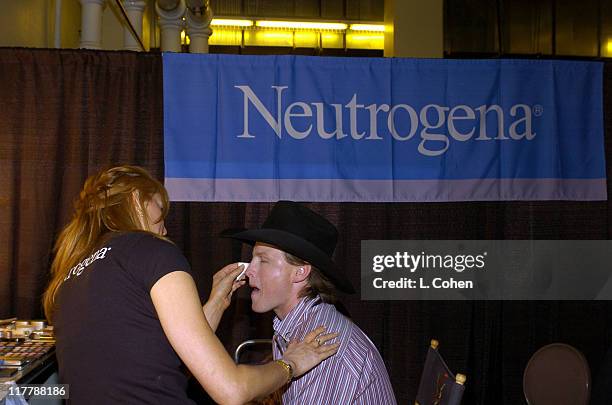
(298, 247)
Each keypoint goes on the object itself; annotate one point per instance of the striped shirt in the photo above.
(354, 375)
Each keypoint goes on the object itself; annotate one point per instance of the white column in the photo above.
(91, 24)
(57, 30)
(135, 11)
(198, 30)
(171, 24)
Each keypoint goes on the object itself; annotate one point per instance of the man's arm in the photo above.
(374, 384)
(356, 375)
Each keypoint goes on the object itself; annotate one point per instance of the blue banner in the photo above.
(264, 128)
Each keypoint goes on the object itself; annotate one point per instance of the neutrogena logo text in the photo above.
(80, 267)
(438, 124)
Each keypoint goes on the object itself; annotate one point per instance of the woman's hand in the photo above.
(308, 353)
(223, 287)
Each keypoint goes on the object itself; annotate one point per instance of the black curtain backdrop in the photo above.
(66, 114)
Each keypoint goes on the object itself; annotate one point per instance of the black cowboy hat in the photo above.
(301, 232)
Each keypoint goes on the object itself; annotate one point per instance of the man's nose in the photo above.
(250, 270)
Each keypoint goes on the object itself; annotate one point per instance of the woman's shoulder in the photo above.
(136, 237)
(144, 250)
(137, 240)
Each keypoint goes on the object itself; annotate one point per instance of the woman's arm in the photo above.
(178, 307)
(223, 286)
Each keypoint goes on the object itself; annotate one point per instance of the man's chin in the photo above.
(257, 309)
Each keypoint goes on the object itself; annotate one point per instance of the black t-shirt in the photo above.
(111, 347)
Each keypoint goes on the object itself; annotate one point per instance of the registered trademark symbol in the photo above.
(538, 110)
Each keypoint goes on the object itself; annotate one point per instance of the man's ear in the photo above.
(301, 273)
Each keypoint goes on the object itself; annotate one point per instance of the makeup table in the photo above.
(25, 359)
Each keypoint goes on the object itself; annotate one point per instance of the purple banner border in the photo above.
(333, 190)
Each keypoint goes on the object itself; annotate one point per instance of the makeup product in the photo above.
(38, 324)
(22, 331)
(17, 353)
(7, 372)
(241, 275)
(14, 362)
(7, 321)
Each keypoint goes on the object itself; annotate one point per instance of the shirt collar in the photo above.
(294, 318)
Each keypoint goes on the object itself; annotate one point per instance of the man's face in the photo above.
(270, 277)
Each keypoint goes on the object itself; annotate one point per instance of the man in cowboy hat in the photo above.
(292, 274)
